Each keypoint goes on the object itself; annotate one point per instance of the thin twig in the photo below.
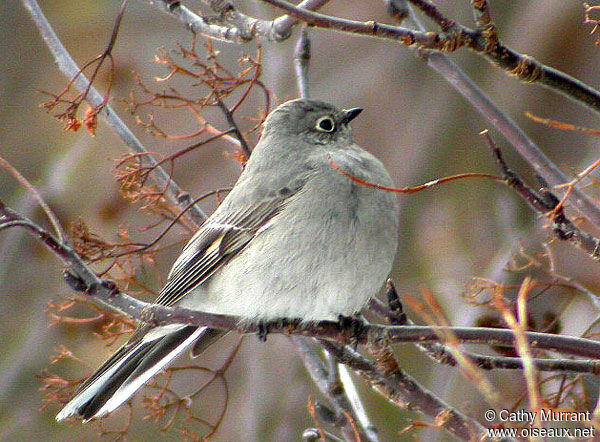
(526, 147)
(333, 391)
(68, 67)
(234, 128)
(519, 325)
(36, 195)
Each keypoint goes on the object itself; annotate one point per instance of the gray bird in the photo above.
(293, 239)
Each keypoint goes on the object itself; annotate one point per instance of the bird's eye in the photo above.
(325, 124)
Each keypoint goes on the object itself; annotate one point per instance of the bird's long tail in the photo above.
(132, 366)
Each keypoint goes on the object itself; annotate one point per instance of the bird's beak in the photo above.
(351, 114)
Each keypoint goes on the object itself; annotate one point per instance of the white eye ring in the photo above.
(325, 124)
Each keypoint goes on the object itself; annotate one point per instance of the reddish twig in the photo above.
(412, 189)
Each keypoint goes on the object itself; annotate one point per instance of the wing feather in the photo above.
(217, 241)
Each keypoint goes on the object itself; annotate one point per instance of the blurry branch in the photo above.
(561, 124)
(440, 354)
(349, 386)
(435, 316)
(68, 67)
(386, 377)
(519, 324)
(36, 195)
(547, 205)
(342, 415)
(231, 25)
(532, 154)
(302, 62)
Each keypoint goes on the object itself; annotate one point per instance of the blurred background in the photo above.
(413, 121)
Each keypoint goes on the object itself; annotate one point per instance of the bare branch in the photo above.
(401, 389)
(68, 67)
(528, 149)
(302, 62)
(330, 388)
(234, 128)
(284, 23)
(407, 37)
(548, 205)
(231, 25)
(36, 195)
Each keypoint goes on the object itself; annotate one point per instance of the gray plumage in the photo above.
(294, 238)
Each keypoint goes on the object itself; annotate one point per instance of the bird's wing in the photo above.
(219, 239)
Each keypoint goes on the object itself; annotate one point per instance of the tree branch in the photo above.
(401, 389)
(105, 294)
(69, 68)
(522, 143)
(440, 354)
(302, 62)
(548, 205)
(331, 389)
(231, 25)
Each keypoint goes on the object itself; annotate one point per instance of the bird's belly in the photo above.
(289, 272)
